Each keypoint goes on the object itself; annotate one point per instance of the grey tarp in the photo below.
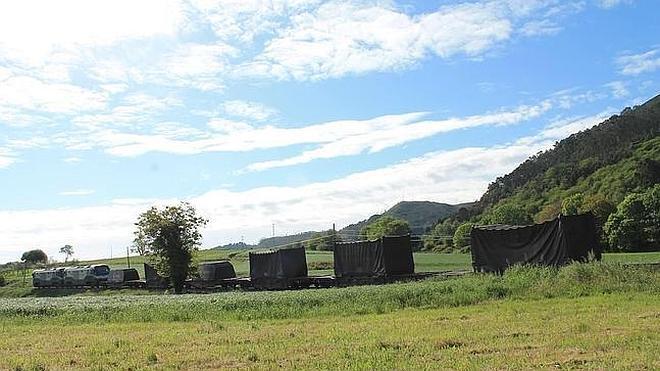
(390, 255)
(218, 270)
(284, 263)
(553, 243)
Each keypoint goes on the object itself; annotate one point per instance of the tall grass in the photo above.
(517, 283)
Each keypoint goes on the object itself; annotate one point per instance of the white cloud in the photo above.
(32, 29)
(132, 111)
(619, 89)
(78, 192)
(381, 138)
(336, 138)
(611, 3)
(569, 98)
(27, 93)
(199, 66)
(120, 43)
(249, 110)
(542, 27)
(635, 64)
(246, 19)
(72, 160)
(6, 158)
(338, 38)
(565, 127)
(228, 126)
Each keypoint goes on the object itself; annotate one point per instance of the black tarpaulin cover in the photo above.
(123, 275)
(218, 270)
(150, 274)
(390, 255)
(152, 278)
(284, 263)
(553, 243)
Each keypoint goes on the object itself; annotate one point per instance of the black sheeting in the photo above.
(150, 274)
(284, 263)
(553, 243)
(152, 278)
(128, 274)
(581, 234)
(361, 258)
(391, 255)
(216, 270)
(397, 253)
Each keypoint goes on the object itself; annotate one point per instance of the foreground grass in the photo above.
(603, 316)
(612, 331)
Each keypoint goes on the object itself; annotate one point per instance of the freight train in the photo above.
(383, 260)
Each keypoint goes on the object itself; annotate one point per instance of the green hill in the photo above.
(269, 242)
(421, 215)
(542, 196)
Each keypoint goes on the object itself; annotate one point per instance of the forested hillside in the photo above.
(611, 170)
(579, 155)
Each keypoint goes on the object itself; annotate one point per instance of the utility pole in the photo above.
(273, 229)
(334, 236)
(128, 258)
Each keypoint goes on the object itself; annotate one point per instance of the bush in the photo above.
(462, 236)
(386, 226)
(441, 237)
(635, 225)
(571, 205)
(507, 214)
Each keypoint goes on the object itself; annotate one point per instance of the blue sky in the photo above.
(298, 113)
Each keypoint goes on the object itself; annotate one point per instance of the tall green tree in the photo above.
(636, 223)
(572, 205)
(169, 237)
(323, 241)
(441, 237)
(508, 214)
(386, 226)
(599, 206)
(461, 239)
(67, 251)
(34, 257)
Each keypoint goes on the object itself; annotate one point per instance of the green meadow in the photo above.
(597, 316)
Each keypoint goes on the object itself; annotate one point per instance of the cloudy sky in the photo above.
(298, 113)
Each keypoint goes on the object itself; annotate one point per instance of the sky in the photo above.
(292, 113)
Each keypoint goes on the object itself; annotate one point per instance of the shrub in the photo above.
(462, 236)
(386, 226)
(636, 223)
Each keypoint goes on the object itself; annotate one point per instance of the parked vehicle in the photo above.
(48, 277)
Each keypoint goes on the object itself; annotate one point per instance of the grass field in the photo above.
(319, 263)
(603, 316)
